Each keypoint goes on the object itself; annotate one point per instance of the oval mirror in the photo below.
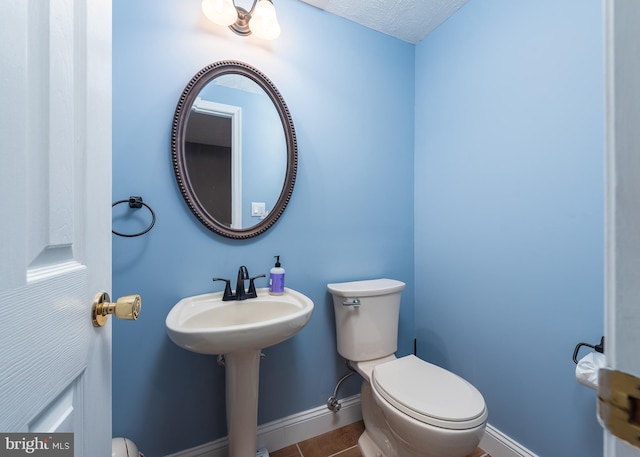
(234, 149)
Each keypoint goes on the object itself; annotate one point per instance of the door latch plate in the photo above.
(619, 404)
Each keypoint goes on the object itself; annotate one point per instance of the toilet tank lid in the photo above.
(366, 288)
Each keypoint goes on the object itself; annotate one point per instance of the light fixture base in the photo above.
(241, 26)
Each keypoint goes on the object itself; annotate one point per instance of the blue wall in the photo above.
(509, 211)
(350, 217)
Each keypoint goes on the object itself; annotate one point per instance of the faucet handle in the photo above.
(251, 293)
(227, 294)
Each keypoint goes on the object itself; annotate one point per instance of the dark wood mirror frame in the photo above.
(189, 95)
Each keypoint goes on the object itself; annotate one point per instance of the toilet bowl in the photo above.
(409, 407)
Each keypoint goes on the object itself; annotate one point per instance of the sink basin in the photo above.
(238, 329)
(208, 325)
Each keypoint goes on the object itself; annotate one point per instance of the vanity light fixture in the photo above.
(260, 20)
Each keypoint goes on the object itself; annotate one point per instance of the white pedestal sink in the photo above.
(238, 330)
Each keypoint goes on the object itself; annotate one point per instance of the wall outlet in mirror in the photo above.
(258, 209)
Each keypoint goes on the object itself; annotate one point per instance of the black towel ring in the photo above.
(136, 203)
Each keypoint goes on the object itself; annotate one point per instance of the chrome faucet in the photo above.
(240, 293)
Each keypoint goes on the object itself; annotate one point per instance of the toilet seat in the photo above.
(429, 394)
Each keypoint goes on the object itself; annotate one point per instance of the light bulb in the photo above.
(264, 23)
(222, 12)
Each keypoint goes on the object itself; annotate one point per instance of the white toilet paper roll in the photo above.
(587, 369)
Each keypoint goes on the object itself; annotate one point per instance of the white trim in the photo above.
(609, 447)
(290, 430)
(307, 424)
(497, 444)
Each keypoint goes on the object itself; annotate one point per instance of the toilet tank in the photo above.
(369, 330)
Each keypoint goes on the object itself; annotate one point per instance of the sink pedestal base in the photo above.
(241, 376)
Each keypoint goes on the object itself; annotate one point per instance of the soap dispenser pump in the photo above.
(276, 278)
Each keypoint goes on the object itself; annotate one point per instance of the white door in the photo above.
(622, 303)
(55, 223)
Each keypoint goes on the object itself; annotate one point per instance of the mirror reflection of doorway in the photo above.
(214, 160)
(210, 166)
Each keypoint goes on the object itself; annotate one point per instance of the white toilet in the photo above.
(409, 407)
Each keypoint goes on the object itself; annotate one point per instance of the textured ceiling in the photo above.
(408, 20)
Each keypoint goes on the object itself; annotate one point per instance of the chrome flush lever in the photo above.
(351, 302)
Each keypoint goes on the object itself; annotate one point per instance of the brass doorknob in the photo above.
(127, 307)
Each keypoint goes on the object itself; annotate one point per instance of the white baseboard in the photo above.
(497, 444)
(307, 424)
(290, 430)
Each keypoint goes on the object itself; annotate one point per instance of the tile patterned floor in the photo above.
(342, 442)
